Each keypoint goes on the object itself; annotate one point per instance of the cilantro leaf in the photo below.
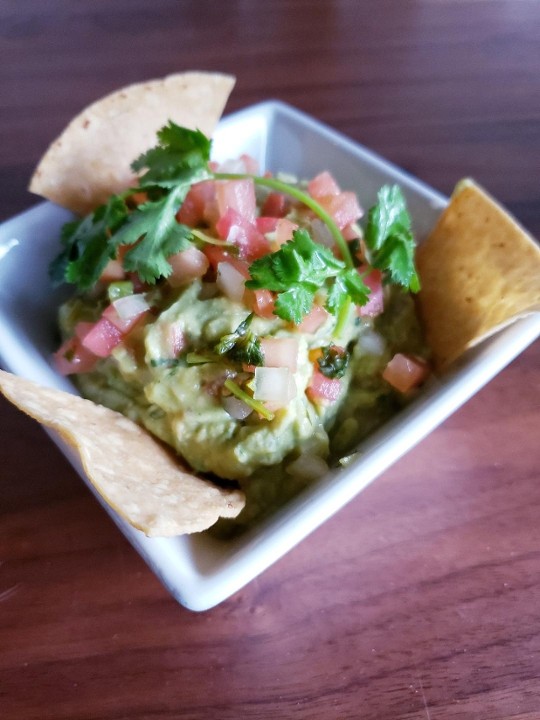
(179, 160)
(334, 361)
(348, 284)
(177, 155)
(89, 245)
(293, 304)
(389, 238)
(242, 345)
(156, 234)
(298, 270)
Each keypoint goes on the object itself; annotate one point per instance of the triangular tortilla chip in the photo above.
(479, 270)
(91, 159)
(134, 473)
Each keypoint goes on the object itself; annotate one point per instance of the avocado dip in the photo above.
(247, 321)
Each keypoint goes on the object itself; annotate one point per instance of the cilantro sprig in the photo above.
(389, 238)
(295, 272)
(179, 160)
(298, 270)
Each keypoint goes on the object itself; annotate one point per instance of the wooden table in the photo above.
(422, 598)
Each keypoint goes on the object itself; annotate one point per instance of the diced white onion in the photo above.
(233, 165)
(275, 385)
(321, 234)
(230, 281)
(371, 343)
(130, 306)
(308, 467)
(236, 408)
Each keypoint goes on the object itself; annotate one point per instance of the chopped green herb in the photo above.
(167, 362)
(89, 245)
(258, 406)
(298, 270)
(242, 345)
(180, 156)
(193, 358)
(389, 238)
(155, 233)
(119, 289)
(334, 361)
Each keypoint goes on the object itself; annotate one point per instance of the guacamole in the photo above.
(247, 322)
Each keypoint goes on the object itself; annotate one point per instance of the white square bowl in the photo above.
(199, 570)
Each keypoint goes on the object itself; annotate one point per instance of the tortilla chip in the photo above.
(131, 471)
(91, 159)
(480, 271)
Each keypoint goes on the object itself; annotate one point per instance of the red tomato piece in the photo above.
(313, 320)
(71, 358)
(113, 271)
(284, 231)
(200, 205)
(280, 352)
(102, 338)
(404, 372)
(276, 205)
(375, 304)
(266, 224)
(323, 184)
(238, 231)
(238, 195)
(250, 164)
(323, 389)
(262, 302)
(344, 208)
(217, 255)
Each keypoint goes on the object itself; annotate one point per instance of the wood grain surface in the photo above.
(421, 599)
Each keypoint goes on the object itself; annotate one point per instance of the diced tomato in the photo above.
(102, 338)
(405, 372)
(284, 231)
(237, 195)
(187, 265)
(262, 302)
(280, 352)
(218, 255)
(72, 358)
(83, 328)
(123, 325)
(322, 388)
(323, 184)
(316, 317)
(266, 224)
(344, 208)
(200, 205)
(276, 205)
(238, 231)
(250, 164)
(113, 271)
(375, 304)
